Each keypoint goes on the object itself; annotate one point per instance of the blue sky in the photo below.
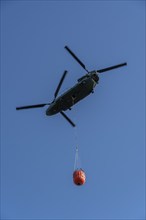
(37, 152)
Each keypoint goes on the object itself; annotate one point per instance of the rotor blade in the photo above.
(68, 119)
(60, 84)
(32, 106)
(75, 57)
(111, 67)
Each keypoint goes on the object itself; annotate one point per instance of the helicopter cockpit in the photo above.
(94, 76)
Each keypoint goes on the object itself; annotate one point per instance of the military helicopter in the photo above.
(84, 86)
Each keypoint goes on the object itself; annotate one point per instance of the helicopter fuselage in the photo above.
(78, 92)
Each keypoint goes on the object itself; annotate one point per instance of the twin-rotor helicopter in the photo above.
(84, 86)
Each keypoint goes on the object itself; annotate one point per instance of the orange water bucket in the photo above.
(79, 177)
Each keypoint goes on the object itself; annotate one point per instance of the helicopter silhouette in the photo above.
(84, 86)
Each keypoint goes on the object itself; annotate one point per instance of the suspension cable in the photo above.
(76, 159)
(77, 162)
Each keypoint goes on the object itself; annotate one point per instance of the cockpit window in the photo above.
(95, 77)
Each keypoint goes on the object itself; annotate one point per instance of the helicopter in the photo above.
(84, 86)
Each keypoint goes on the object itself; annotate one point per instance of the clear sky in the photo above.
(37, 152)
